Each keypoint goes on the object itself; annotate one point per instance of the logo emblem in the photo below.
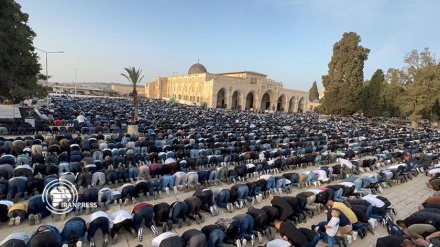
(60, 197)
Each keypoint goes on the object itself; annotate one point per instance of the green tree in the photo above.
(313, 92)
(134, 77)
(372, 104)
(19, 63)
(43, 77)
(392, 90)
(421, 84)
(343, 84)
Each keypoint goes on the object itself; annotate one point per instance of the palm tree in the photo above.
(134, 76)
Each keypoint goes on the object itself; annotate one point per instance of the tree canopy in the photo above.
(372, 101)
(420, 81)
(313, 92)
(134, 77)
(413, 91)
(343, 84)
(19, 63)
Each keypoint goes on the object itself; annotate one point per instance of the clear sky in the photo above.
(290, 41)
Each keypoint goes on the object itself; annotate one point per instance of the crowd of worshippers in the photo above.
(195, 154)
(421, 228)
(353, 216)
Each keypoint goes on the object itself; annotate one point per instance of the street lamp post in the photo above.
(47, 74)
(75, 78)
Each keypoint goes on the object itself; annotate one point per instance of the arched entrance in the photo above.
(292, 104)
(221, 98)
(249, 101)
(265, 102)
(236, 100)
(301, 105)
(281, 103)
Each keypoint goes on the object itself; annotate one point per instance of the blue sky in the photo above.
(290, 41)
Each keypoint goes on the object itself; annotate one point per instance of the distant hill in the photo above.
(95, 84)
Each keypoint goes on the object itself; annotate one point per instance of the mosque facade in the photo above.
(244, 90)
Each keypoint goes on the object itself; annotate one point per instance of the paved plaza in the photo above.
(405, 199)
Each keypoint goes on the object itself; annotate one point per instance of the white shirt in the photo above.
(104, 190)
(334, 223)
(96, 215)
(266, 176)
(118, 217)
(81, 118)
(322, 175)
(7, 203)
(372, 199)
(347, 184)
(123, 186)
(369, 158)
(182, 174)
(434, 171)
(157, 240)
(190, 173)
(346, 163)
(250, 165)
(25, 166)
(278, 243)
(394, 167)
(170, 161)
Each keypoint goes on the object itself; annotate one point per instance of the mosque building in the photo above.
(244, 90)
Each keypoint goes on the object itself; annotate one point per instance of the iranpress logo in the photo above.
(61, 197)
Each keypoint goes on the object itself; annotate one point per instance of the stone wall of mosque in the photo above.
(239, 90)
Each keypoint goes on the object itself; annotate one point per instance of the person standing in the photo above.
(332, 227)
